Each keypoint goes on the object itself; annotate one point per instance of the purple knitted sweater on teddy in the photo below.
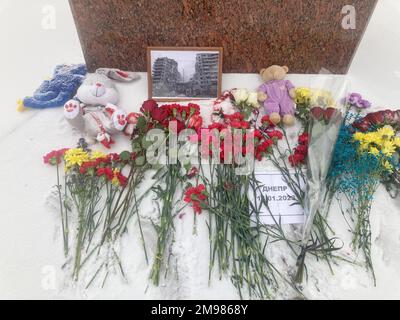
(278, 100)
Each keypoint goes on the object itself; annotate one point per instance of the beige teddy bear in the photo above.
(277, 94)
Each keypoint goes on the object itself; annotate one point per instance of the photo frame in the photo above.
(184, 73)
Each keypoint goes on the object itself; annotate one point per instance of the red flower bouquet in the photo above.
(235, 231)
(168, 122)
(97, 198)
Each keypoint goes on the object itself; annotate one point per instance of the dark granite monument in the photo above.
(310, 36)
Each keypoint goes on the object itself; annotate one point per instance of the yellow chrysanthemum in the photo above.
(364, 146)
(306, 95)
(358, 136)
(386, 132)
(388, 166)
(381, 144)
(96, 155)
(373, 137)
(396, 142)
(388, 148)
(75, 157)
(374, 151)
(368, 138)
(302, 95)
(303, 91)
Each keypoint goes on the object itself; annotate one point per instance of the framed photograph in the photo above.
(184, 73)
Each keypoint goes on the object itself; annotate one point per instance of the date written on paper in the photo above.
(282, 205)
(200, 309)
(279, 198)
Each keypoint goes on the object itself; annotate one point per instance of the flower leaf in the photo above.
(125, 155)
(140, 160)
(146, 143)
(141, 124)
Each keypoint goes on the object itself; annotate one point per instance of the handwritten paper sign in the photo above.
(281, 200)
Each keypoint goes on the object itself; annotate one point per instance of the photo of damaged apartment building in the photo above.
(168, 81)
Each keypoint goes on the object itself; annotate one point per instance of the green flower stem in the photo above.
(141, 234)
(64, 219)
(362, 231)
(84, 191)
(166, 226)
(78, 250)
(236, 239)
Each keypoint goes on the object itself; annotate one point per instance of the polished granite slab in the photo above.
(306, 35)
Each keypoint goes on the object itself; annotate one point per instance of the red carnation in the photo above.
(245, 124)
(236, 116)
(275, 134)
(263, 148)
(87, 165)
(180, 126)
(266, 122)
(123, 181)
(303, 149)
(216, 125)
(175, 123)
(105, 172)
(303, 138)
(296, 159)
(148, 106)
(194, 109)
(258, 134)
(196, 196)
(113, 157)
(195, 122)
(159, 114)
(236, 124)
(54, 157)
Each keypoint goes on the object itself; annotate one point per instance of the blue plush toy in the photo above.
(57, 91)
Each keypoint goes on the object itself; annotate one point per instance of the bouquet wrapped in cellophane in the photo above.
(323, 128)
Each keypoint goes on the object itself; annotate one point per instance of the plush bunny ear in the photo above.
(286, 68)
(119, 75)
(262, 71)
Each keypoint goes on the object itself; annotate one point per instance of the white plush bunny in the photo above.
(94, 109)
